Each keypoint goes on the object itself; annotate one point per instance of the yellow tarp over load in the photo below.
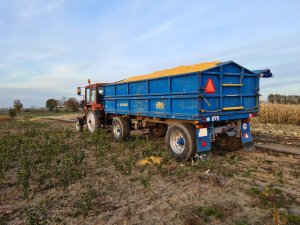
(174, 71)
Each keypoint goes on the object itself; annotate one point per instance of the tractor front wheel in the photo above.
(79, 124)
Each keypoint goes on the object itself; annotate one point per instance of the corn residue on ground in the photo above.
(149, 160)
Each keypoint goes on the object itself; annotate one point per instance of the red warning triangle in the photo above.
(210, 87)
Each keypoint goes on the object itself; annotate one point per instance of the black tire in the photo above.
(227, 143)
(187, 132)
(159, 131)
(92, 121)
(120, 129)
(79, 124)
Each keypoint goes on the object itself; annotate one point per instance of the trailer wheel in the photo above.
(181, 141)
(92, 121)
(79, 124)
(227, 143)
(159, 131)
(121, 129)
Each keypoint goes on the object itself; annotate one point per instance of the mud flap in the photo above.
(247, 139)
(203, 140)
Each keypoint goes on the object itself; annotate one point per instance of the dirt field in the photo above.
(49, 174)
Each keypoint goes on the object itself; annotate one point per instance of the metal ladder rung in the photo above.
(233, 108)
(232, 85)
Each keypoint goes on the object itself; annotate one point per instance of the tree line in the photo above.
(70, 104)
(64, 104)
(284, 99)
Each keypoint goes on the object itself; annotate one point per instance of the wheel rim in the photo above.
(117, 130)
(177, 142)
(91, 122)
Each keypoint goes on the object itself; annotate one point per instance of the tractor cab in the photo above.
(93, 96)
(93, 106)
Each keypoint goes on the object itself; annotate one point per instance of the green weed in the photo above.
(145, 180)
(204, 215)
(37, 215)
(3, 219)
(271, 197)
(84, 204)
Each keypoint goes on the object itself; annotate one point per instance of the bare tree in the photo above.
(62, 101)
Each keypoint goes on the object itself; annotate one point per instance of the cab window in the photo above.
(88, 95)
(93, 92)
(100, 95)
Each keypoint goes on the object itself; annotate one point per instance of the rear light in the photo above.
(203, 143)
(246, 135)
(246, 120)
(251, 115)
(202, 125)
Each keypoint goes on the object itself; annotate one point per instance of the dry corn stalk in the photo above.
(279, 114)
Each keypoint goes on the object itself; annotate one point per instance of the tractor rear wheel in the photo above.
(227, 143)
(181, 141)
(92, 121)
(120, 129)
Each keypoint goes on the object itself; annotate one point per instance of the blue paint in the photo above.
(246, 134)
(183, 96)
(200, 140)
(180, 141)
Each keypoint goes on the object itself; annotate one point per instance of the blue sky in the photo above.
(49, 47)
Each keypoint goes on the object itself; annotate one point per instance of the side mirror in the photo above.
(78, 90)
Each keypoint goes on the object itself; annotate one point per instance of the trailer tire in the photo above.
(181, 141)
(159, 131)
(227, 143)
(120, 129)
(79, 124)
(93, 123)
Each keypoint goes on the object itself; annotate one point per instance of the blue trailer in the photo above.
(196, 111)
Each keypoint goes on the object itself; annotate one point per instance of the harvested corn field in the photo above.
(54, 175)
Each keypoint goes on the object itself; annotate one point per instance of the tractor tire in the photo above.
(159, 131)
(92, 121)
(79, 124)
(227, 143)
(120, 129)
(181, 141)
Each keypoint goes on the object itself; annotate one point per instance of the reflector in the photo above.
(210, 87)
